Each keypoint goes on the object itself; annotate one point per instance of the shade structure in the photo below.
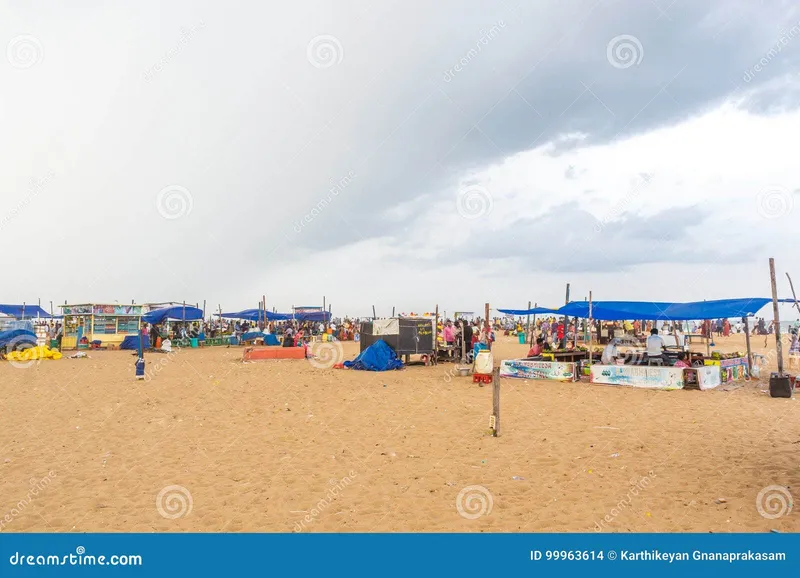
(177, 312)
(665, 311)
(28, 311)
(534, 311)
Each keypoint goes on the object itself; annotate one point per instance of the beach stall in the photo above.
(106, 323)
(634, 367)
(406, 335)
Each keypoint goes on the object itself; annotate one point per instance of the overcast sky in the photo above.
(398, 153)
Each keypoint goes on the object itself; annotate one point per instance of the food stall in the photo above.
(104, 322)
(633, 367)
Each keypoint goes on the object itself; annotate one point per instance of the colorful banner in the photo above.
(525, 369)
(638, 376)
(731, 369)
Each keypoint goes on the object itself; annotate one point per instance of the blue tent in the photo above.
(29, 311)
(377, 357)
(664, 311)
(255, 315)
(534, 311)
(132, 342)
(177, 312)
(323, 316)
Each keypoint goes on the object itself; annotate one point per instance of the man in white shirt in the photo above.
(610, 353)
(655, 345)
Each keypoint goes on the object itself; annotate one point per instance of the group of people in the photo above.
(466, 335)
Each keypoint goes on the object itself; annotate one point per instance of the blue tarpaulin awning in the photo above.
(664, 311)
(29, 311)
(255, 315)
(534, 311)
(656, 310)
(177, 312)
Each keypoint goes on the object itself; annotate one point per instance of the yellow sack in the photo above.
(34, 353)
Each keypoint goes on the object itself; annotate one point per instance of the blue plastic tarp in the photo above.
(534, 311)
(178, 313)
(132, 342)
(29, 311)
(664, 311)
(17, 336)
(377, 357)
(255, 315)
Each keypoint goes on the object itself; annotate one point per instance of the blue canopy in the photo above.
(323, 316)
(177, 312)
(377, 357)
(132, 342)
(255, 315)
(663, 311)
(16, 337)
(534, 311)
(29, 311)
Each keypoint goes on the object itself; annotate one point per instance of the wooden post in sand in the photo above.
(496, 402)
(373, 313)
(535, 305)
(563, 343)
(776, 316)
(528, 326)
(590, 328)
(486, 319)
(435, 336)
(747, 340)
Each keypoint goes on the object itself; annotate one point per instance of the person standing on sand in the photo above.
(794, 350)
(726, 328)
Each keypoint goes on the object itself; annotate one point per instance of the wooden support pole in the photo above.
(324, 305)
(392, 312)
(563, 343)
(776, 316)
(204, 309)
(486, 319)
(435, 336)
(528, 325)
(535, 305)
(496, 401)
(373, 313)
(794, 295)
(747, 340)
(590, 328)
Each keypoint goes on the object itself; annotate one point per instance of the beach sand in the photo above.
(261, 446)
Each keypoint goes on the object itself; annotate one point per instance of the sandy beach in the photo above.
(214, 445)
